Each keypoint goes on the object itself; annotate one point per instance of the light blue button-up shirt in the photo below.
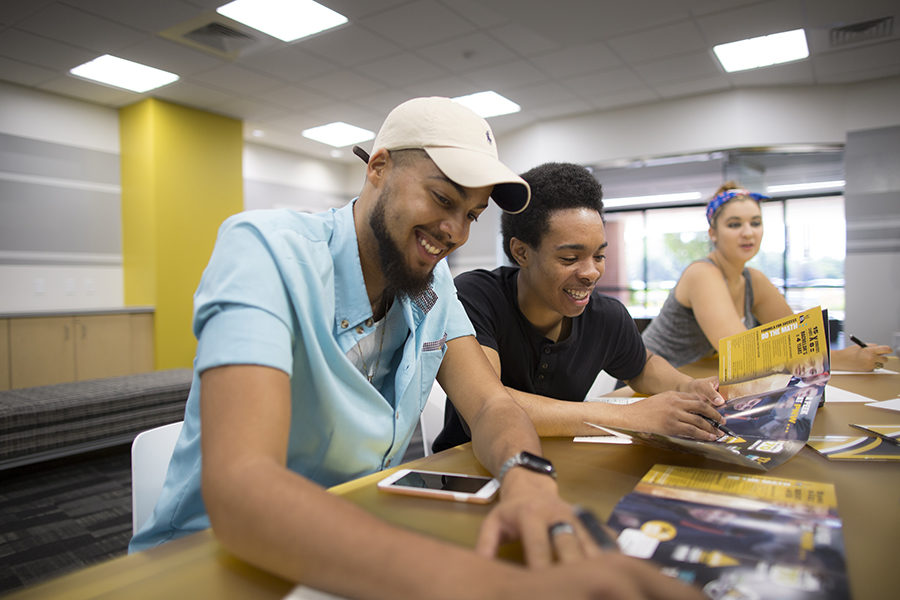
(285, 290)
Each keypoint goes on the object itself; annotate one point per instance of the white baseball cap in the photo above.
(459, 142)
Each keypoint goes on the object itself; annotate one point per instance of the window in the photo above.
(650, 248)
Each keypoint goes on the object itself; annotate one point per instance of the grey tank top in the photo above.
(675, 334)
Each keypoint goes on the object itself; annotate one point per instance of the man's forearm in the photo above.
(658, 376)
(289, 526)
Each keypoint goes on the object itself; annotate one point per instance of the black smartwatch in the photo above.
(530, 461)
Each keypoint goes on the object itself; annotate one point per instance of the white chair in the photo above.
(431, 421)
(150, 454)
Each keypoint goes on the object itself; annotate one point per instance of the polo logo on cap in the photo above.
(487, 134)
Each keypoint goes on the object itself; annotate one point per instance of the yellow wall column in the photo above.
(181, 177)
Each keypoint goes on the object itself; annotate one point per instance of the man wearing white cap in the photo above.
(319, 337)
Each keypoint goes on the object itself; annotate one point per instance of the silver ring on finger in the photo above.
(560, 527)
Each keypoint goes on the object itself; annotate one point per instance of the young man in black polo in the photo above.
(548, 333)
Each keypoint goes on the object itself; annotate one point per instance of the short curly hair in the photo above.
(554, 186)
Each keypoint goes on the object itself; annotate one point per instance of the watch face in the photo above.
(537, 463)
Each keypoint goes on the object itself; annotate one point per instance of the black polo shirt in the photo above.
(603, 338)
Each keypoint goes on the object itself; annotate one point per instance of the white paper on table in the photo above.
(607, 439)
(836, 394)
(301, 592)
(614, 437)
(881, 371)
(887, 404)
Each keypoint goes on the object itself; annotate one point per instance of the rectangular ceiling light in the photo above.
(762, 51)
(656, 199)
(488, 104)
(287, 20)
(122, 73)
(338, 134)
(803, 187)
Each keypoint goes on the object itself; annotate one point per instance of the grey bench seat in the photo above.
(40, 423)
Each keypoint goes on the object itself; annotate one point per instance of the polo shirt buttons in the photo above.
(359, 329)
(369, 322)
(345, 324)
(546, 349)
(545, 366)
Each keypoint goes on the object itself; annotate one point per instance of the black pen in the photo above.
(719, 426)
(593, 526)
(858, 342)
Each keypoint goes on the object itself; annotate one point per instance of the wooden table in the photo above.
(594, 475)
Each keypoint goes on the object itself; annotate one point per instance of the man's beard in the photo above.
(399, 278)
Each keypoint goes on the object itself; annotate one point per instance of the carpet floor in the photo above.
(62, 515)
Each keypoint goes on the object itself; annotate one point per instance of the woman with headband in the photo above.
(719, 295)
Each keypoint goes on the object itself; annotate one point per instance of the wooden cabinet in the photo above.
(41, 351)
(4, 354)
(54, 349)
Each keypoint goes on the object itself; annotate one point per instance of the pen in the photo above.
(719, 426)
(593, 526)
(858, 342)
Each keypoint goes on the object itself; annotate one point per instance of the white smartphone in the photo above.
(447, 486)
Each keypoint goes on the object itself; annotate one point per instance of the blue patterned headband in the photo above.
(727, 196)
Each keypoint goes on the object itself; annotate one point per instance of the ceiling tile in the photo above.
(91, 92)
(142, 15)
(697, 65)
(348, 113)
(37, 50)
(506, 76)
(449, 87)
(751, 21)
(296, 97)
(524, 41)
(795, 73)
(562, 109)
(853, 59)
(624, 98)
(287, 62)
(24, 73)
(191, 94)
(667, 40)
(477, 13)
(343, 84)
(355, 9)
(676, 89)
(249, 109)
(544, 95)
(237, 79)
(417, 24)
(604, 83)
(349, 45)
(468, 52)
(13, 11)
(576, 60)
(65, 24)
(401, 69)
(383, 101)
(165, 54)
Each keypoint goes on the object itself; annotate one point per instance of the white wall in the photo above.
(279, 179)
(38, 279)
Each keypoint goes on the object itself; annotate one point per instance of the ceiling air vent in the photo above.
(862, 32)
(221, 38)
(219, 35)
